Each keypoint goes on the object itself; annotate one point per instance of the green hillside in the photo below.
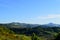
(36, 33)
(6, 34)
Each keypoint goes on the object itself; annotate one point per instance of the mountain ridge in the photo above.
(25, 25)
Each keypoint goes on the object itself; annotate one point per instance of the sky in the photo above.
(30, 11)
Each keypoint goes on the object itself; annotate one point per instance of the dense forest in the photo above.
(15, 32)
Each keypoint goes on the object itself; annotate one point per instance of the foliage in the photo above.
(34, 37)
(36, 33)
(58, 37)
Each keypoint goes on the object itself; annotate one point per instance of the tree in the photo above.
(34, 37)
(58, 37)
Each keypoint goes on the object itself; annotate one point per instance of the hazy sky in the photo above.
(30, 11)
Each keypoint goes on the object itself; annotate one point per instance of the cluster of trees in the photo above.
(57, 37)
(50, 31)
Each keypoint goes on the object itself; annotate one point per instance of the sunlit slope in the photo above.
(6, 34)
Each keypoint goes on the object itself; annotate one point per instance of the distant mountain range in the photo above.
(19, 25)
(24, 25)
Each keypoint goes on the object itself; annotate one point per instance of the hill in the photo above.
(17, 30)
(6, 34)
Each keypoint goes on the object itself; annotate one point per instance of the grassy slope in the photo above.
(6, 34)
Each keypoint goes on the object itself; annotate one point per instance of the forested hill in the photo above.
(28, 29)
(7, 34)
(43, 31)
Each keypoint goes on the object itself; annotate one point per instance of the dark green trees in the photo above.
(34, 37)
(58, 37)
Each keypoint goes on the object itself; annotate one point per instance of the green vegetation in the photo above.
(6, 34)
(36, 33)
(34, 37)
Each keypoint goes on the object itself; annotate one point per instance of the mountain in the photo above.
(24, 25)
(52, 25)
(20, 25)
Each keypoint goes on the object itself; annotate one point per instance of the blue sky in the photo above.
(30, 11)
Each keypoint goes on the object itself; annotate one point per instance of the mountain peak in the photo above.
(51, 23)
